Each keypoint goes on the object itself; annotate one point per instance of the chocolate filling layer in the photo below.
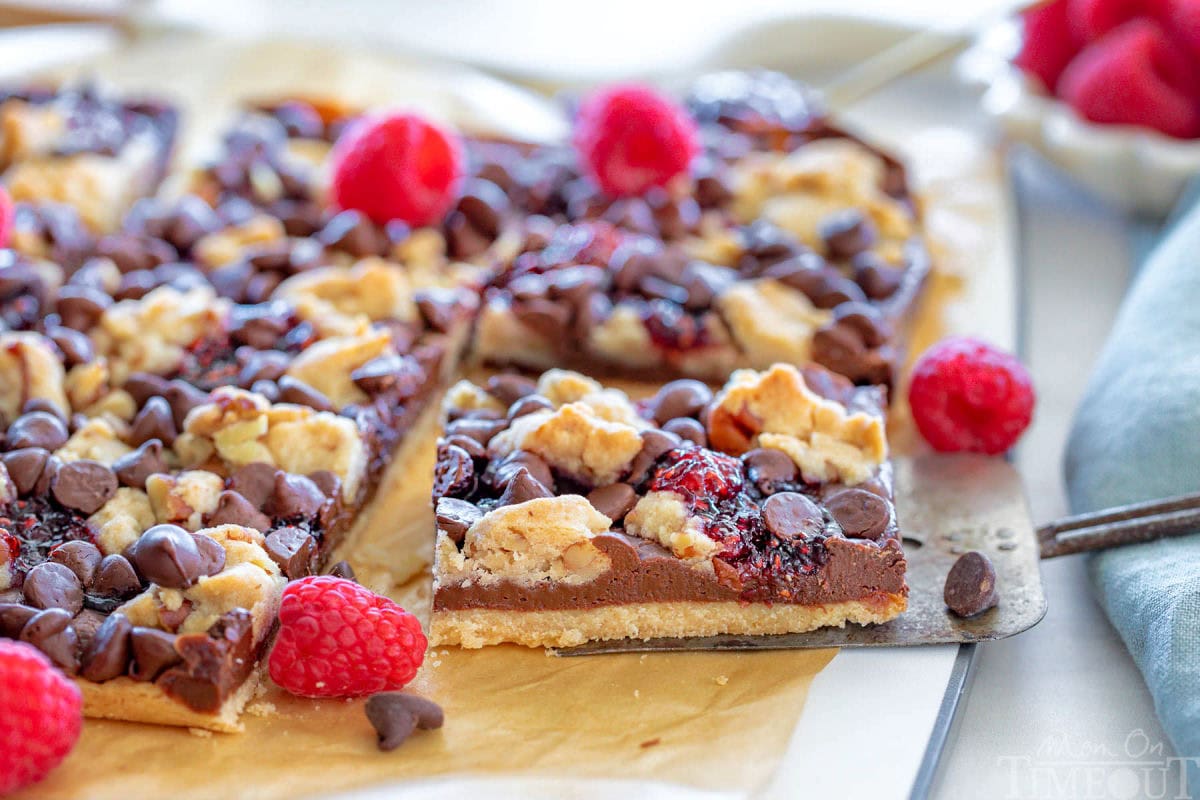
(644, 572)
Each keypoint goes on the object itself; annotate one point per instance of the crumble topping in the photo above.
(121, 520)
(372, 287)
(771, 322)
(575, 439)
(798, 190)
(29, 368)
(775, 409)
(547, 538)
(150, 334)
(326, 365)
(184, 499)
(228, 245)
(244, 428)
(663, 517)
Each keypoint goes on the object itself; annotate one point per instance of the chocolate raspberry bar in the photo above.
(85, 148)
(131, 442)
(789, 241)
(566, 512)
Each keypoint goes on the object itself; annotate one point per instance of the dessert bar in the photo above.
(204, 384)
(566, 512)
(85, 148)
(791, 241)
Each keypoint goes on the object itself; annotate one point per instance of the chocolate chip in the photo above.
(456, 516)
(847, 233)
(115, 577)
(342, 569)
(328, 482)
(455, 472)
(971, 585)
(654, 444)
(294, 550)
(865, 320)
(878, 279)
(395, 715)
(53, 585)
(481, 430)
(43, 404)
(439, 310)
(295, 496)
(483, 204)
(292, 390)
(472, 446)
(862, 514)
(49, 472)
(522, 488)
(390, 373)
(82, 558)
(154, 421)
(84, 485)
(174, 558)
(50, 631)
(182, 397)
(613, 501)
(547, 318)
(528, 405)
(76, 348)
(233, 509)
(25, 466)
(144, 385)
(351, 232)
(393, 722)
(791, 515)
(13, 617)
(769, 468)
(682, 398)
(506, 470)
(38, 429)
(509, 388)
(106, 656)
(153, 652)
(133, 468)
(687, 428)
(86, 623)
(81, 306)
(255, 482)
(826, 287)
(265, 366)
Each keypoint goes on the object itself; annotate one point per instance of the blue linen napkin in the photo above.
(1136, 436)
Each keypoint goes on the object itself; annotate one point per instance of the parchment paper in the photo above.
(718, 721)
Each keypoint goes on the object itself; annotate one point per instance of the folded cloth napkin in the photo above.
(1136, 436)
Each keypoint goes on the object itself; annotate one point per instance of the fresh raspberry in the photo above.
(1183, 23)
(338, 639)
(6, 217)
(41, 715)
(1135, 75)
(697, 472)
(1049, 42)
(397, 166)
(630, 138)
(1091, 19)
(967, 395)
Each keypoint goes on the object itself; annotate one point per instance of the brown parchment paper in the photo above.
(717, 721)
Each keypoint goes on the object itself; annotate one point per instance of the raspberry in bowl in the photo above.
(1107, 90)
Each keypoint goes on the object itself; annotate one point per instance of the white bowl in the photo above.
(1141, 171)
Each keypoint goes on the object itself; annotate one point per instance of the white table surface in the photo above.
(1067, 690)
